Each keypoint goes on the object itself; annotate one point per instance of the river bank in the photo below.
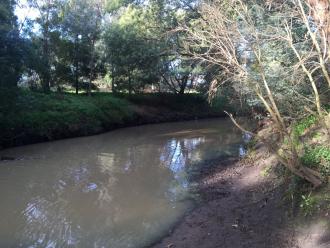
(240, 208)
(249, 203)
(29, 117)
(243, 209)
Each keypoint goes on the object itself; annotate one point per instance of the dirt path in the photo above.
(242, 207)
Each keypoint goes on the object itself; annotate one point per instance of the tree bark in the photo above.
(129, 83)
(183, 85)
(91, 65)
(320, 11)
(76, 64)
(46, 74)
(113, 78)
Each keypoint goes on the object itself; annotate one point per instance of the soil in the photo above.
(243, 206)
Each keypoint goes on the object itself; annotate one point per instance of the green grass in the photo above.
(318, 157)
(327, 107)
(45, 117)
(300, 127)
(29, 117)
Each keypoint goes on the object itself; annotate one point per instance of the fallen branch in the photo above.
(239, 126)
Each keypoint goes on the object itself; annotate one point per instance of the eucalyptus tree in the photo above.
(133, 52)
(82, 23)
(143, 49)
(47, 24)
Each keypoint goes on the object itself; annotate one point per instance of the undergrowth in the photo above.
(318, 157)
(314, 155)
(300, 127)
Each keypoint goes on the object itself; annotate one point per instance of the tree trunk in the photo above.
(129, 83)
(320, 11)
(113, 78)
(183, 85)
(76, 65)
(77, 83)
(46, 74)
(91, 66)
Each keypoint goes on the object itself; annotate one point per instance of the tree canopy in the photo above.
(129, 46)
(11, 45)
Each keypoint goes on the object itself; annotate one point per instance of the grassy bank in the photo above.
(310, 136)
(29, 117)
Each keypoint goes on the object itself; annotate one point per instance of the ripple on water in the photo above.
(121, 189)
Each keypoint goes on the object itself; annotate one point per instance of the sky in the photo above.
(22, 11)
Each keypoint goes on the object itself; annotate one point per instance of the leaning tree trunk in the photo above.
(320, 11)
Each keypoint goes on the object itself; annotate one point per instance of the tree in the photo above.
(47, 22)
(10, 45)
(142, 49)
(180, 74)
(320, 11)
(247, 41)
(133, 53)
(82, 25)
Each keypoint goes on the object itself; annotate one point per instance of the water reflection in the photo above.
(121, 189)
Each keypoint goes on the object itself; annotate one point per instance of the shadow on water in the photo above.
(240, 208)
(120, 189)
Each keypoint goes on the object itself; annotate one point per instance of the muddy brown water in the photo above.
(125, 188)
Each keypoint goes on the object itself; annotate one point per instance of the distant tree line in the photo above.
(126, 45)
(270, 56)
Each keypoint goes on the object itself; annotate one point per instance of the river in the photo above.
(121, 189)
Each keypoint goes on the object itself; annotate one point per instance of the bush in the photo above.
(318, 157)
(300, 127)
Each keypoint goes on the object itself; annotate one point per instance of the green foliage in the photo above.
(189, 105)
(318, 157)
(10, 45)
(266, 171)
(36, 116)
(115, 5)
(28, 117)
(79, 41)
(316, 135)
(297, 187)
(140, 51)
(327, 107)
(307, 204)
(300, 127)
(315, 155)
(133, 49)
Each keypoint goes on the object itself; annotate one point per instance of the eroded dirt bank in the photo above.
(243, 206)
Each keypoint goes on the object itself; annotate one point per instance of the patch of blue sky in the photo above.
(24, 13)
